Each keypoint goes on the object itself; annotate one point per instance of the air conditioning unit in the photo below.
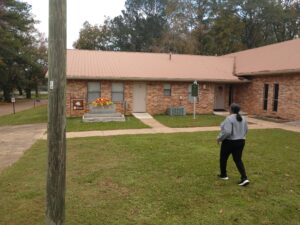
(176, 111)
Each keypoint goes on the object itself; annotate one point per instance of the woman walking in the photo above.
(233, 132)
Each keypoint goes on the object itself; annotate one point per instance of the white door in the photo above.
(219, 97)
(139, 97)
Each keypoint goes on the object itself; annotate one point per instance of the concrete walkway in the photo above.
(147, 119)
(157, 128)
(15, 140)
(267, 125)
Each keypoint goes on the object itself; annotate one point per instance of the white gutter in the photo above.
(237, 80)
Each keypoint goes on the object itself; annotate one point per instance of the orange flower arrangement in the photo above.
(101, 102)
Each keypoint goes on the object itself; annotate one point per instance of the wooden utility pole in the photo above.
(56, 176)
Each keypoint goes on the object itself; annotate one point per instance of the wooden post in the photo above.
(56, 176)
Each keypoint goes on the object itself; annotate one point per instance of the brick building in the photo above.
(265, 81)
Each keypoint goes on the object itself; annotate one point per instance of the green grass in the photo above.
(29, 116)
(41, 96)
(76, 124)
(160, 179)
(39, 115)
(202, 120)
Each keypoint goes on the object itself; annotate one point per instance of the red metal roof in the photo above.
(282, 57)
(87, 64)
(277, 58)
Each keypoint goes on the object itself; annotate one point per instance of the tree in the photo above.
(235, 25)
(36, 63)
(139, 28)
(282, 21)
(225, 35)
(93, 37)
(16, 32)
(14, 23)
(206, 27)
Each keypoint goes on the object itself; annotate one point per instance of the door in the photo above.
(139, 97)
(219, 97)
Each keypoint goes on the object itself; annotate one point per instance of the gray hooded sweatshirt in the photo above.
(232, 129)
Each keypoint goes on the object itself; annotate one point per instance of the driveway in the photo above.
(15, 140)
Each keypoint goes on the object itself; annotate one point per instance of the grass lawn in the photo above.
(160, 179)
(29, 116)
(39, 115)
(203, 120)
(76, 124)
(41, 96)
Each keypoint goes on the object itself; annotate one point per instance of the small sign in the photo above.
(195, 89)
(13, 100)
(78, 104)
(51, 85)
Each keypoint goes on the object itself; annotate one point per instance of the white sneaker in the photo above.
(223, 177)
(244, 182)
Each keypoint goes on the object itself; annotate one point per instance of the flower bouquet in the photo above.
(101, 102)
(102, 106)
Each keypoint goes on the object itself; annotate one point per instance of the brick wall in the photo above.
(75, 90)
(250, 96)
(156, 103)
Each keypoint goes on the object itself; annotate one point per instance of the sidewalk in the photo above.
(267, 125)
(160, 128)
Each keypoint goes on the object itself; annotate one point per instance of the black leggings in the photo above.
(234, 147)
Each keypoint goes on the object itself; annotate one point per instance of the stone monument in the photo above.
(102, 110)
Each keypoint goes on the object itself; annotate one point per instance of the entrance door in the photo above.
(219, 97)
(139, 97)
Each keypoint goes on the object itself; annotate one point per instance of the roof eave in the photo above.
(270, 72)
(237, 80)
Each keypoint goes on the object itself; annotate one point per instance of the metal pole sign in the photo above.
(195, 95)
(13, 100)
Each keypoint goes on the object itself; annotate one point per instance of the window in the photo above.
(265, 97)
(275, 98)
(93, 91)
(167, 89)
(117, 92)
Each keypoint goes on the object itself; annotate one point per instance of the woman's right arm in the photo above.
(226, 130)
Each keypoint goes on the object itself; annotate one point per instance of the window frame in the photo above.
(265, 96)
(275, 97)
(167, 91)
(98, 92)
(117, 92)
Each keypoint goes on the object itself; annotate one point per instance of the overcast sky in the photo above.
(78, 11)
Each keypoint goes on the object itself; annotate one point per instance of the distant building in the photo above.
(264, 81)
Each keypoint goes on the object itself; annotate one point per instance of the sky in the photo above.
(78, 11)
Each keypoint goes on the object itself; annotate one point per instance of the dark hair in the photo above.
(235, 108)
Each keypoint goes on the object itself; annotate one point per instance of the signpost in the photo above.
(13, 100)
(195, 88)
